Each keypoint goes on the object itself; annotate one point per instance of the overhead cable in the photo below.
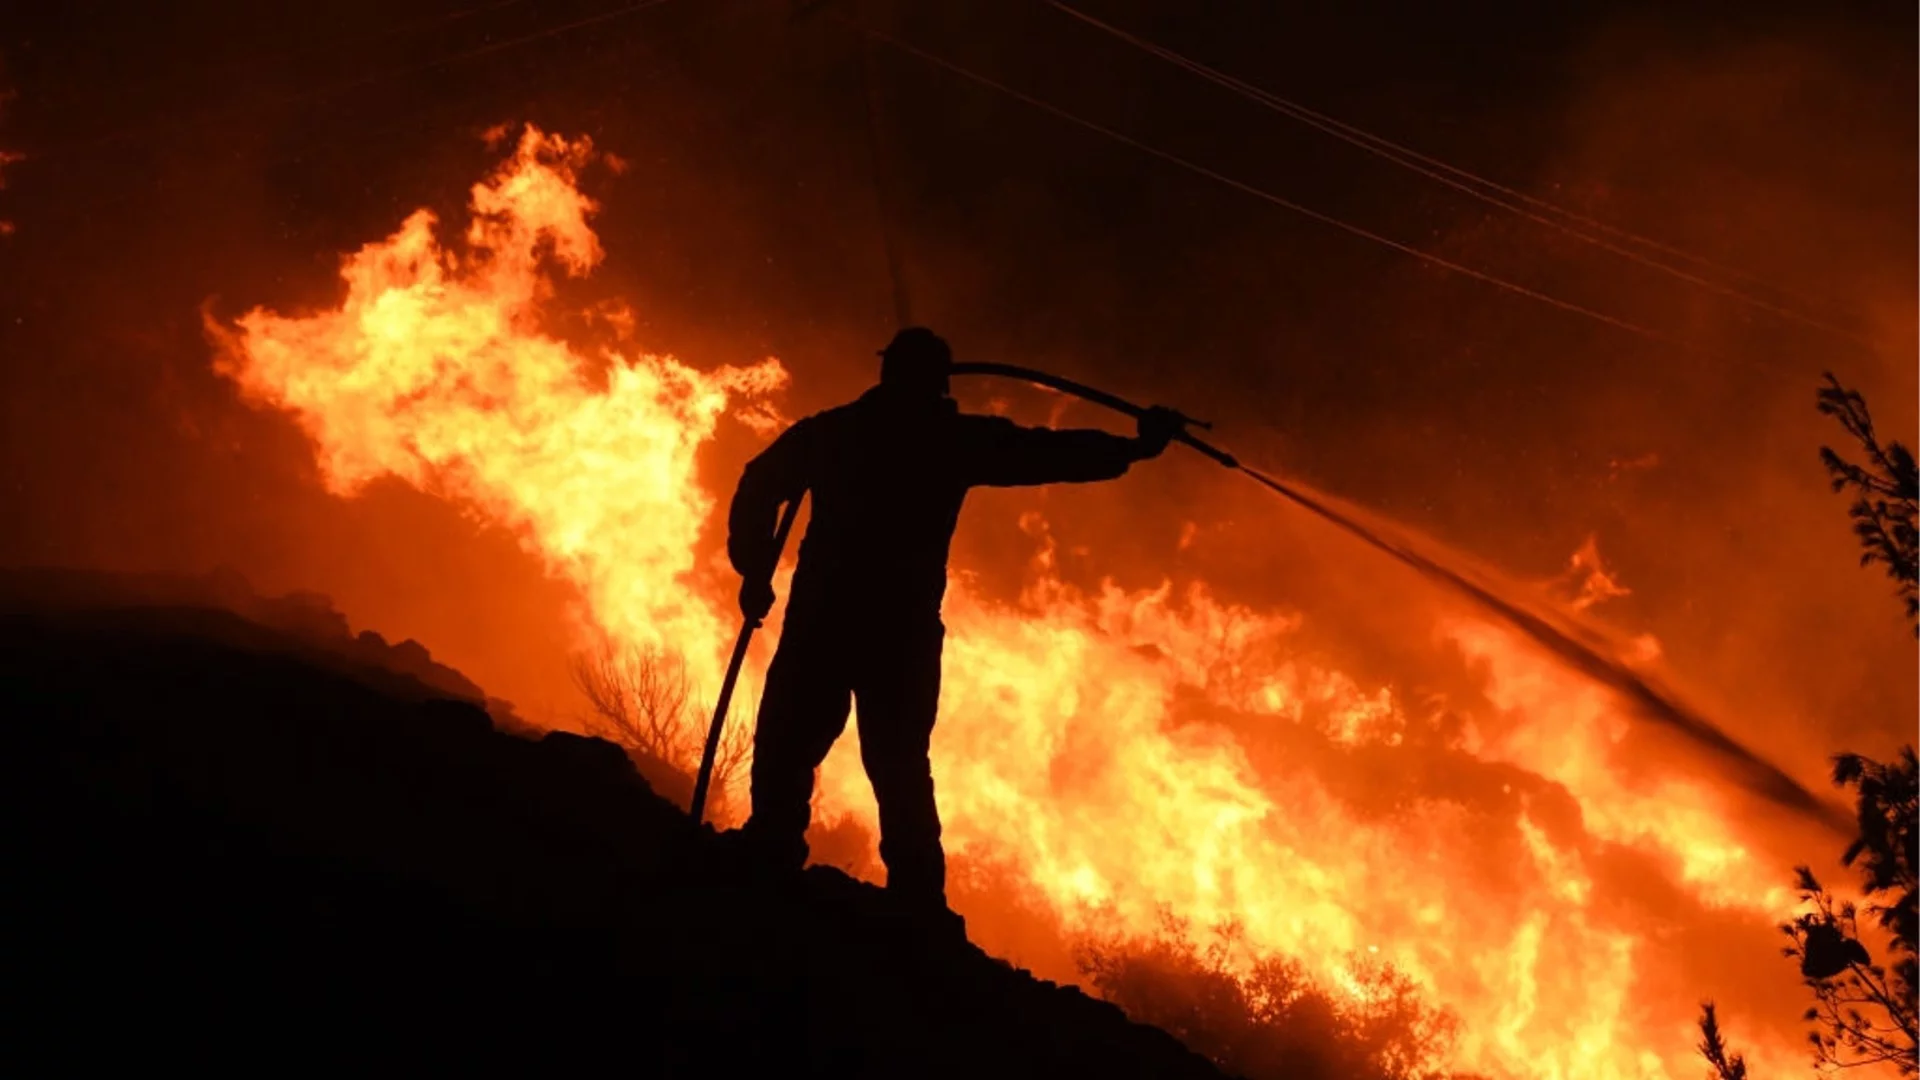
(1537, 210)
(1267, 196)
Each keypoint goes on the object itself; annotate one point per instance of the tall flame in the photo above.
(435, 370)
(1083, 739)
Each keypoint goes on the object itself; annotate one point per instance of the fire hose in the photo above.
(1758, 774)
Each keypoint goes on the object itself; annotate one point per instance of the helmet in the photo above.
(916, 360)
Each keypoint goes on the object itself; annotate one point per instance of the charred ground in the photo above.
(259, 839)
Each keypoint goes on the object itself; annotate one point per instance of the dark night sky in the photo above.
(225, 154)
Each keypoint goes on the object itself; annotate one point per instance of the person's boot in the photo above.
(925, 916)
(749, 853)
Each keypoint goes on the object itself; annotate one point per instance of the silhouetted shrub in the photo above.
(642, 700)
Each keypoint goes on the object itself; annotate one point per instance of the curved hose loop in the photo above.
(1098, 397)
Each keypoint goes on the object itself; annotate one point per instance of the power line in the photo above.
(1507, 198)
(1264, 195)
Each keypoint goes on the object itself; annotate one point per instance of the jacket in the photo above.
(888, 474)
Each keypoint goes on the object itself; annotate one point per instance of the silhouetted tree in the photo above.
(1864, 1012)
(1887, 499)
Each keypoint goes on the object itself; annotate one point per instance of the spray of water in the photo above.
(1579, 647)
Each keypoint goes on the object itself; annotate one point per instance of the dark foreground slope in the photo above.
(230, 844)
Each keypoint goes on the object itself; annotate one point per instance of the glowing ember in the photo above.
(1096, 743)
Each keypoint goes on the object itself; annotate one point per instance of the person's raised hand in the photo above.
(756, 599)
(1159, 426)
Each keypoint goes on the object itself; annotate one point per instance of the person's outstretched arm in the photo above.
(777, 476)
(1005, 454)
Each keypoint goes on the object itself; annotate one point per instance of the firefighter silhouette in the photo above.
(887, 473)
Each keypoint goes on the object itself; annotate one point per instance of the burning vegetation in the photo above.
(1160, 777)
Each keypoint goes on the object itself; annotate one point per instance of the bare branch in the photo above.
(638, 699)
(733, 759)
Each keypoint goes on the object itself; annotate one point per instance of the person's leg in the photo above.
(802, 711)
(898, 689)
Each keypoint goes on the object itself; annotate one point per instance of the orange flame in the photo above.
(1081, 741)
(435, 371)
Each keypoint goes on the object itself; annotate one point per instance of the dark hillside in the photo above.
(238, 843)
